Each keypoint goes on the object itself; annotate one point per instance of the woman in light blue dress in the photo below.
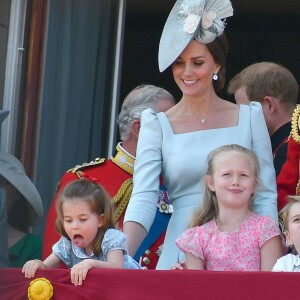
(176, 144)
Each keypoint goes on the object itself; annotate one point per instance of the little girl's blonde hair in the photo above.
(292, 199)
(99, 201)
(209, 209)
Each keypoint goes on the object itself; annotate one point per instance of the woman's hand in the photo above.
(80, 270)
(31, 266)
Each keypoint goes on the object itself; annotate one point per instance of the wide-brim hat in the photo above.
(13, 171)
(191, 19)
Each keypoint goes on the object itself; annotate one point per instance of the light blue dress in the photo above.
(182, 161)
(113, 239)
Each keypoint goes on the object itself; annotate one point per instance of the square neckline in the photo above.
(163, 116)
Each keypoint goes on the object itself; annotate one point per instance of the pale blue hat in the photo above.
(202, 20)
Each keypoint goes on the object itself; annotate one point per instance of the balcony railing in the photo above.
(145, 284)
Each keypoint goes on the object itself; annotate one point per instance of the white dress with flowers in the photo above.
(182, 161)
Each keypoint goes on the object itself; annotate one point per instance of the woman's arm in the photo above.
(142, 206)
(265, 201)
(270, 251)
(135, 234)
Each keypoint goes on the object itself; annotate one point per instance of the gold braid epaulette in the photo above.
(296, 124)
(123, 160)
(78, 168)
(122, 198)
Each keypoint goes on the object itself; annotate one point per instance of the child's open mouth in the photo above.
(78, 240)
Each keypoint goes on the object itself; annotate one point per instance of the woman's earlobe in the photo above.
(218, 70)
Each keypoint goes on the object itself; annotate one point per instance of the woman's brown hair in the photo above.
(219, 51)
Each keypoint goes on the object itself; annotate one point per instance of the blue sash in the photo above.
(159, 226)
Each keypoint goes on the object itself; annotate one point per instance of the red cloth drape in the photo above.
(149, 284)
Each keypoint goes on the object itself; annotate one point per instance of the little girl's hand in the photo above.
(179, 266)
(31, 266)
(79, 271)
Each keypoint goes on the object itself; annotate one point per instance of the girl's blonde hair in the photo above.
(209, 209)
(99, 201)
(286, 211)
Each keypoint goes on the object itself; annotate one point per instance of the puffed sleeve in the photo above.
(147, 169)
(190, 241)
(268, 229)
(113, 240)
(63, 250)
(265, 201)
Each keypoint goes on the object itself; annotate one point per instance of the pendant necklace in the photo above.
(202, 119)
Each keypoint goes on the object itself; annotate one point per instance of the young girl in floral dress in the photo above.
(226, 235)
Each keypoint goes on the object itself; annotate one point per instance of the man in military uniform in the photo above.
(288, 181)
(115, 174)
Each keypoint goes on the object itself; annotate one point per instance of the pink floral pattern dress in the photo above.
(229, 251)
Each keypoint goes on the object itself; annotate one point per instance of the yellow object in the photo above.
(124, 160)
(40, 289)
(122, 198)
(296, 124)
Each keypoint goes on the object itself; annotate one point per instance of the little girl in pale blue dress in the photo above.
(113, 239)
(89, 238)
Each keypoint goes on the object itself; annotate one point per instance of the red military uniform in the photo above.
(288, 181)
(115, 175)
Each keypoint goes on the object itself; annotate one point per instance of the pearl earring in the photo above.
(215, 77)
